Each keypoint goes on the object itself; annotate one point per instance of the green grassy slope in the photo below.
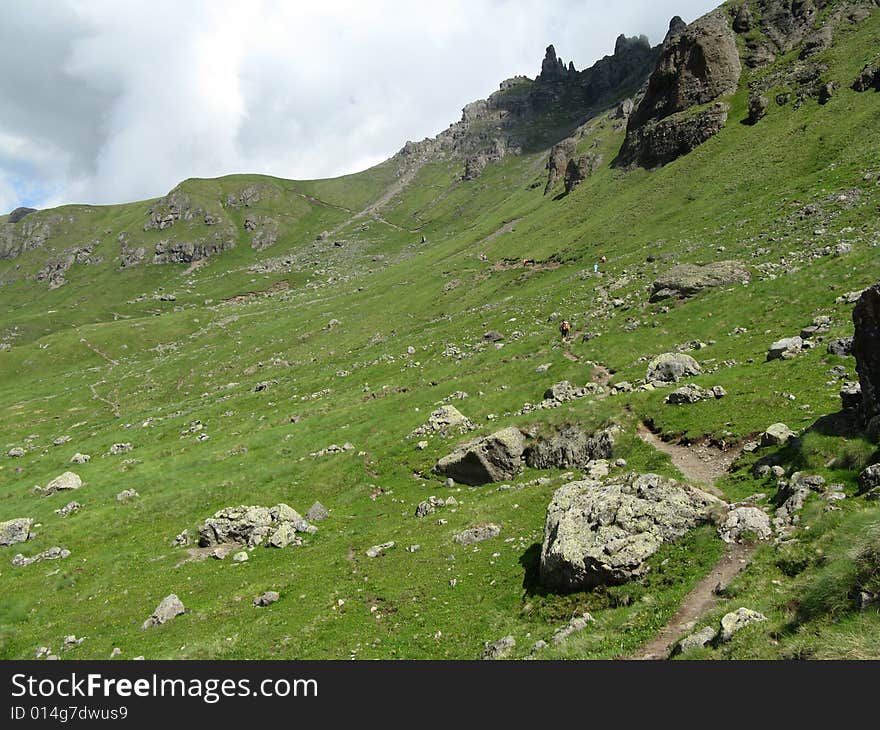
(103, 360)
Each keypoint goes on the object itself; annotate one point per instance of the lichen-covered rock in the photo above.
(169, 607)
(499, 649)
(868, 78)
(446, 419)
(253, 525)
(15, 531)
(785, 349)
(737, 620)
(697, 640)
(670, 367)
(317, 513)
(569, 447)
(492, 458)
(777, 434)
(745, 523)
(603, 532)
(687, 280)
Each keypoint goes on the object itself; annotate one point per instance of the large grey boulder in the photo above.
(492, 458)
(603, 532)
(687, 280)
(64, 482)
(670, 367)
(866, 349)
(15, 531)
(253, 525)
(170, 607)
(569, 447)
(777, 434)
(444, 420)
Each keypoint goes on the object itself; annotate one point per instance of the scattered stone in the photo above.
(745, 522)
(377, 550)
(16, 452)
(689, 393)
(670, 367)
(317, 513)
(78, 458)
(53, 553)
(758, 106)
(71, 642)
(444, 420)
(181, 540)
(116, 652)
(240, 557)
(170, 607)
(126, 495)
(543, 368)
(478, 533)
(333, 449)
(492, 458)
(117, 449)
(737, 620)
(869, 479)
(578, 623)
(15, 531)
(68, 509)
(266, 599)
(841, 346)
(603, 532)
(498, 649)
(777, 435)
(785, 349)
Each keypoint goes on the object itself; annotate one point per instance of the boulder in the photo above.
(66, 481)
(841, 346)
(80, 458)
(785, 349)
(758, 106)
(117, 449)
(777, 435)
(737, 620)
(745, 523)
(377, 550)
(576, 625)
(478, 533)
(492, 458)
(851, 396)
(267, 598)
(697, 640)
(689, 393)
(53, 553)
(253, 525)
(869, 479)
(16, 452)
(866, 349)
(169, 607)
(444, 420)
(126, 494)
(868, 78)
(603, 532)
(317, 513)
(569, 447)
(687, 280)
(15, 531)
(670, 367)
(580, 168)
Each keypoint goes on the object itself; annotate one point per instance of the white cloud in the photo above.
(114, 100)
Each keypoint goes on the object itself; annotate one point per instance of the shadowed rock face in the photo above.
(697, 65)
(866, 349)
(489, 459)
(16, 215)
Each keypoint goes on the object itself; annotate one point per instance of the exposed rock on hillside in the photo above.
(602, 533)
(696, 66)
(569, 447)
(169, 607)
(868, 79)
(866, 348)
(580, 168)
(670, 367)
(276, 526)
(492, 458)
(686, 280)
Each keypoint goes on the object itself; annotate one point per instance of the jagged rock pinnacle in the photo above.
(552, 68)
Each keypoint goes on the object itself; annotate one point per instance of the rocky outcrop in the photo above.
(15, 531)
(569, 447)
(868, 79)
(492, 458)
(560, 155)
(866, 349)
(670, 367)
(758, 105)
(66, 481)
(785, 349)
(697, 65)
(687, 280)
(249, 525)
(16, 215)
(745, 523)
(736, 621)
(170, 251)
(552, 68)
(446, 419)
(580, 168)
(604, 532)
(53, 553)
(478, 533)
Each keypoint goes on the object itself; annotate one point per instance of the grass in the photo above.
(101, 360)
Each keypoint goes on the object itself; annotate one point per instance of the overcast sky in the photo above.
(106, 101)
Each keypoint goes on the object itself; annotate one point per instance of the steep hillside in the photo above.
(257, 341)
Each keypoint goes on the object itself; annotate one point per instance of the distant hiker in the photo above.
(595, 268)
(602, 259)
(483, 257)
(564, 328)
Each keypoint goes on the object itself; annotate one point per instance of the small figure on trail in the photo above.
(483, 257)
(602, 259)
(595, 268)
(564, 328)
